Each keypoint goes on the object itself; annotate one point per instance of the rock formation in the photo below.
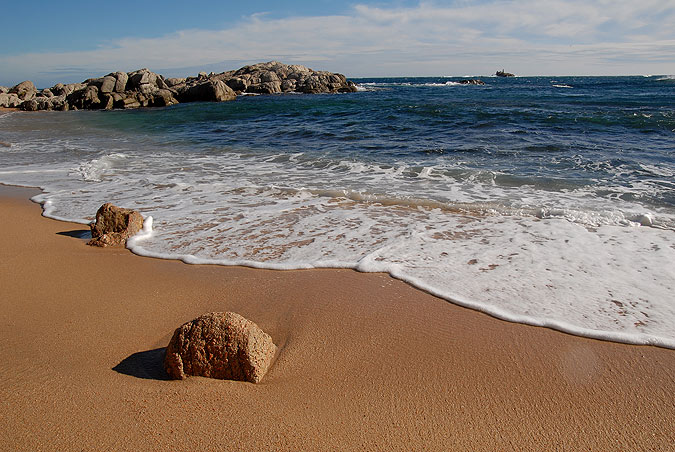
(14, 97)
(204, 89)
(274, 77)
(220, 345)
(114, 225)
(143, 88)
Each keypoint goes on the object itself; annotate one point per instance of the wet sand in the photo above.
(365, 363)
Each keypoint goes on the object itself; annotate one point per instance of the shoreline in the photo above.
(366, 362)
(488, 309)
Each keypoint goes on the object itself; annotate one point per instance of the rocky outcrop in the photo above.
(144, 88)
(17, 95)
(114, 225)
(221, 345)
(274, 77)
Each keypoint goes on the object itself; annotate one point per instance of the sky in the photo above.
(71, 40)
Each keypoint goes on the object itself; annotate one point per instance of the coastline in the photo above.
(366, 362)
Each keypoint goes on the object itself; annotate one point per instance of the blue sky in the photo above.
(68, 41)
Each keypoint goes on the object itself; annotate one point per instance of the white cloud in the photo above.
(528, 37)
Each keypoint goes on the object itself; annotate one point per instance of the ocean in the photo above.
(543, 200)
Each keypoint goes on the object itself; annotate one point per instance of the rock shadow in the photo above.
(84, 234)
(148, 365)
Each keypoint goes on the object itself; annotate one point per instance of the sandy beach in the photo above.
(365, 362)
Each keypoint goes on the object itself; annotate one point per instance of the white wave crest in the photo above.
(94, 170)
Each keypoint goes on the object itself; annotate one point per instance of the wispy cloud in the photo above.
(469, 37)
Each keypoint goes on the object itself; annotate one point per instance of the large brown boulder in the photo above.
(45, 103)
(24, 90)
(163, 98)
(141, 77)
(114, 225)
(201, 90)
(221, 345)
(10, 100)
(121, 79)
(174, 81)
(108, 84)
(85, 99)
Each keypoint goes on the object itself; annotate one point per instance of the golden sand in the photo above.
(365, 362)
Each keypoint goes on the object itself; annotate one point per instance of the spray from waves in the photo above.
(96, 169)
(374, 86)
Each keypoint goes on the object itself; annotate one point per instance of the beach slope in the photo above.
(365, 362)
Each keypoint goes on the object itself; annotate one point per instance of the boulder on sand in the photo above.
(114, 225)
(221, 345)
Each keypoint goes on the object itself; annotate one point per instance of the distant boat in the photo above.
(504, 74)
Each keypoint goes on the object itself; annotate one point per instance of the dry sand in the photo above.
(365, 363)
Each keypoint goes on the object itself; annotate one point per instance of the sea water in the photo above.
(546, 201)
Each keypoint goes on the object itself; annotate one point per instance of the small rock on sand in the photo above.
(114, 225)
(221, 345)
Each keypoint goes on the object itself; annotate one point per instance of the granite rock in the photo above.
(221, 345)
(114, 225)
(205, 90)
(10, 100)
(24, 90)
(144, 88)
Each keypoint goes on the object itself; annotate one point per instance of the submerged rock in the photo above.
(471, 81)
(221, 345)
(114, 225)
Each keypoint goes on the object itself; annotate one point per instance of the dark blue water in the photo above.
(609, 133)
